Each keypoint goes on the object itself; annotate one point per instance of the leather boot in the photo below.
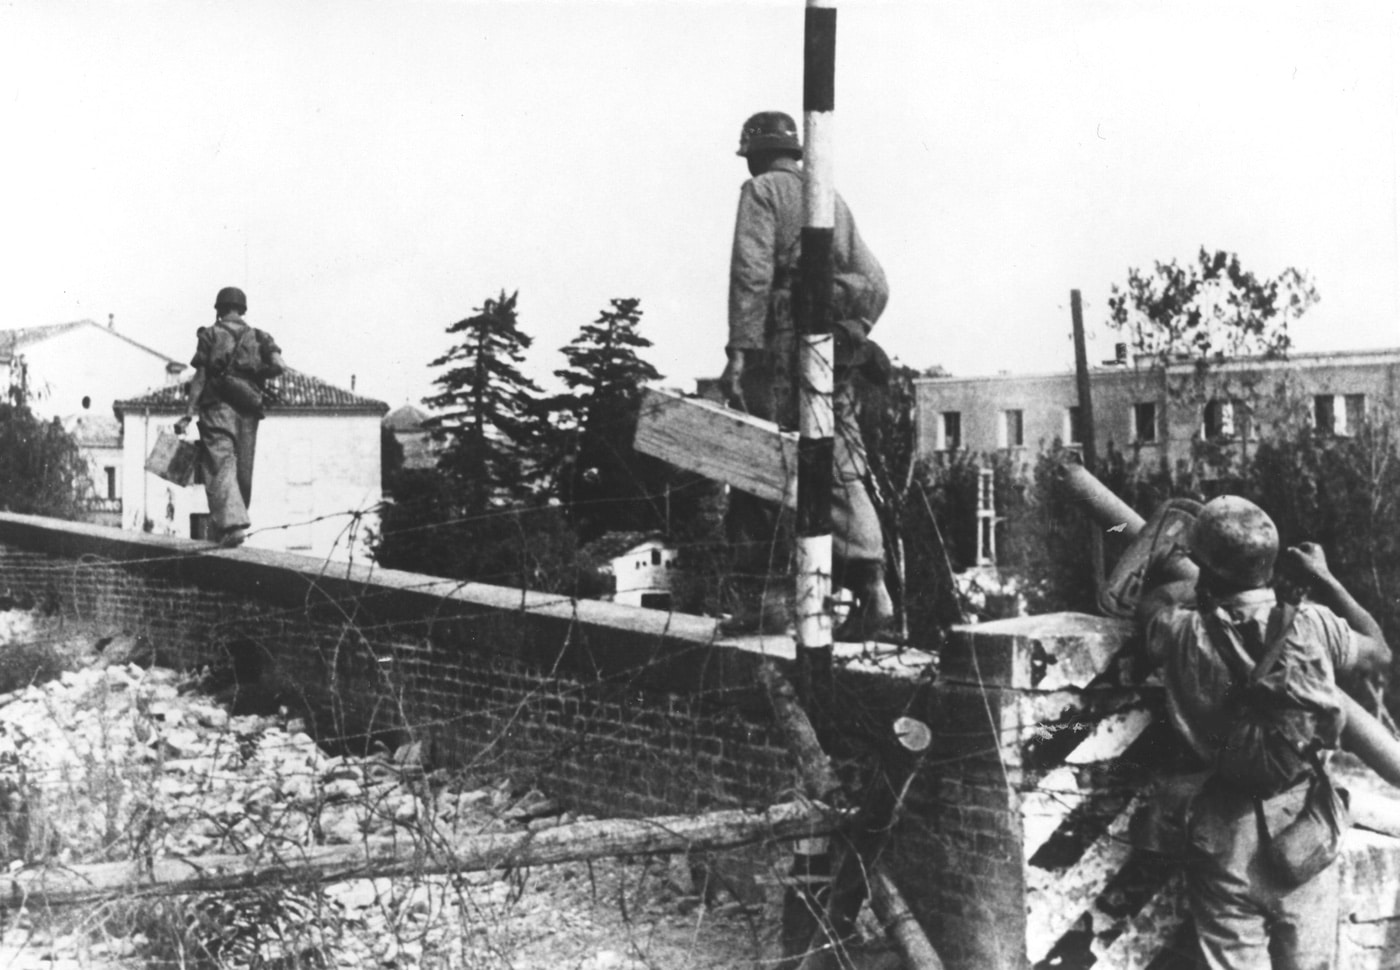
(872, 617)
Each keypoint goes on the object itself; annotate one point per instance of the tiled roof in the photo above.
(20, 337)
(11, 340)
(293, 391)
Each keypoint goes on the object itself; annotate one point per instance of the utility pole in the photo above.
(816, 424)
(1081, 373)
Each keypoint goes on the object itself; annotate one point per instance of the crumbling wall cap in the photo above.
(1052, 651)
(1051, 625)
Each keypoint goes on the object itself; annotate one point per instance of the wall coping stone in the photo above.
(295, 580)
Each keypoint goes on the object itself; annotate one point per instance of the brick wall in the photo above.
(1012, 847)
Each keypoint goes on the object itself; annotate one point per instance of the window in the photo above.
(1355, 413)
(656, 557)
(1324, 414)
(950, 431)
(111, 474)
(1339, 414)
(1013, 429)
(986, 518)
(1145, 421)
(1074, 425)
(1219, 419)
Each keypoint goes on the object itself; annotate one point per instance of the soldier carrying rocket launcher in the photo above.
(1251, 686)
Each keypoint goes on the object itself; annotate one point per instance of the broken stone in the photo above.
(533, 804)
(342, 789)
(409, 755)
(299, 789)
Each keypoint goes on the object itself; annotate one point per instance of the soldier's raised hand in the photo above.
(1305, 563)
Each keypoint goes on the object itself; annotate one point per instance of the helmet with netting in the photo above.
(231, 298)
(769, 131)
(1235, 540)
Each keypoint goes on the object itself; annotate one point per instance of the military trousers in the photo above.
(1246, 919)
(229, 440)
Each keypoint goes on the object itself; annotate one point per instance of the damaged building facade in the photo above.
(1158, 412)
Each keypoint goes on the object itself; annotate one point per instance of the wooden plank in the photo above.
(897, 918)
(1112, 736)
(1056, 899)
(376, 858)
(720, 443)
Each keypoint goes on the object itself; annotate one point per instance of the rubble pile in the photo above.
(122, 762)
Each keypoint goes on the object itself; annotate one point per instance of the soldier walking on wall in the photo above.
(232, 363)
(1251, 686)
(759, 377)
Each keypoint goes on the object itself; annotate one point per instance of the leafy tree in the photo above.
(606, 485)
(1209, 310)
(1203, 314)
(488, 409)
(42, 470)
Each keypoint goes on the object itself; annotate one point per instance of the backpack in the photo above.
(1286, 715)
(241, 390)
(1282, 715)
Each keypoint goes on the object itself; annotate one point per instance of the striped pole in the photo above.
(809, 879)
(814, 349)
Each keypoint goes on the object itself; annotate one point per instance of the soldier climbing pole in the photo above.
(816, 424)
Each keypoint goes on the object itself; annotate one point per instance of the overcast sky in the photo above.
(371, 172)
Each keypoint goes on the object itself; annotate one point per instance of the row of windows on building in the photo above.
(1333, 414)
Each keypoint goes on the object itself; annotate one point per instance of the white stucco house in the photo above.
(72, 368)
(316, 487)
(99, 438)
(641, 564)
(73, 372)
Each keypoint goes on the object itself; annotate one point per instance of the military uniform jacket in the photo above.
(767, 236)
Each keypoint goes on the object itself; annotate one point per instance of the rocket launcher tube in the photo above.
(1107, 509)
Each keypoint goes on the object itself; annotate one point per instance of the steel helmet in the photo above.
(1236, 540)
(769, 131)
(231, 298)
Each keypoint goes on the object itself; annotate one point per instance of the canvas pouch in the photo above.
(1312, 841)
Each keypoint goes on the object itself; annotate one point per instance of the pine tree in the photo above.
(606, 485)
(488, 410)
(475, 516)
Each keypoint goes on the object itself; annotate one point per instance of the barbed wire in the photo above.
(354, 627)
